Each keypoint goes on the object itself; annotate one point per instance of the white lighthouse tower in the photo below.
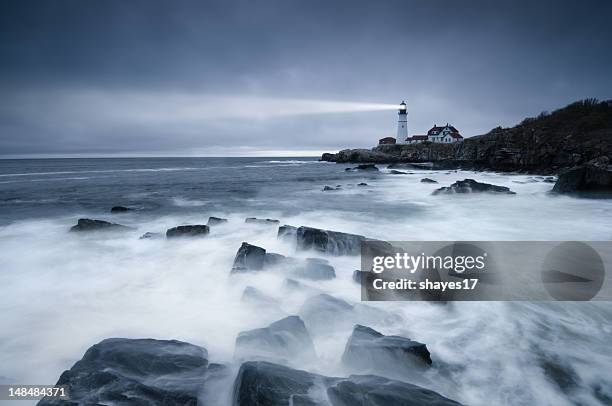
(402, 125)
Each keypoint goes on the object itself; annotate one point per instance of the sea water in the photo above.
(62, 292)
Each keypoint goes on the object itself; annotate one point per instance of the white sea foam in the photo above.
(62, 292)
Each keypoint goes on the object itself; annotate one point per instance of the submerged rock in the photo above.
(329, 242)
(120, 209)
(287, 232)
(364, 167)
(396, 172)
(262, 383)
(315, 269)
(472, 186)
(322, 311)
(256, 297)
(136, 371)
(249, 258)
(427, 180)
(196, 230)
(327, 188)
(368, 351)
(362, 184)
(255, 220)
(591, 180)
(151, 236)
(214, 221)
(97, 225)
(283, 341)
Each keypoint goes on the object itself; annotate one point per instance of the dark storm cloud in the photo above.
(114, 76)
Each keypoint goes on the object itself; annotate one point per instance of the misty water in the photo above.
(62, 292)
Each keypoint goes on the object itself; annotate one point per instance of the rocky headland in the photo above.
(577, 137)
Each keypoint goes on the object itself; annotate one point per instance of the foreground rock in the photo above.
(97, 225)
(591, 180)
(283, 341)
(249, 258)
(472, 186)
(120, 209)
(265, 384)
(368, 351)
(139, 372)
(197, 230)
(215, 221)
(329, 242)
(255, 220)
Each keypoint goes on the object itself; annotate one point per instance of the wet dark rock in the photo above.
(370, 390)
(591, 180)
(363, 167)
(472, 186)
(214, 221)
(138, 372)
(362, 184)
(368, 351)
(427, 180)
(120, 209)
(151, 236)
(282, 341)
(287, 232)
(262, 383)
(249, 258)
(315, 269)
(255, 220)
(329, 242)
(396, 172)
(196, 230)
(97, 225)
(329, 188)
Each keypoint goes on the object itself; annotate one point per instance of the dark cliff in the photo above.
(573, 135)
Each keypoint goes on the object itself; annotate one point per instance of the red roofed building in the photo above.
(386, 141)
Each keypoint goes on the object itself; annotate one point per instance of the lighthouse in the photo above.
(402, 123)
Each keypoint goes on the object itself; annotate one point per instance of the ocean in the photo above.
(62, 292)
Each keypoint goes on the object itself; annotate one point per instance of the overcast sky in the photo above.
(259, 77)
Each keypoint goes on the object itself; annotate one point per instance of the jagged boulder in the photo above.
(370, 390)
(256, 297)
(136, 371)
(196, 230)
(329, 242)
(591, 180)
(321, 311)
(368, 351)
(285, 340)
(472, 186)
(249, 258)
(97, 225)
(215, 221)
(262, 383)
